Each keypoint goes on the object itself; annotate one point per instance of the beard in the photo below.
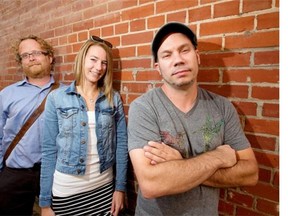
(180, 84)
(36, 71)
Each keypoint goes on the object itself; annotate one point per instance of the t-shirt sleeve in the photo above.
(233, 132)
(142, 124)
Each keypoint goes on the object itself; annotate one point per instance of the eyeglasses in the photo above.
(34, 54)
(98, 39)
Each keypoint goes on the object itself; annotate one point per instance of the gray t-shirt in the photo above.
(212, 121)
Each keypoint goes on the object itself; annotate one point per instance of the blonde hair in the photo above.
(105, 84)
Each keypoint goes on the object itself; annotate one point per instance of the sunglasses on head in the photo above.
(98, 39)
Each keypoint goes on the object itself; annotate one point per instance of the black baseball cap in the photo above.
(171, 27)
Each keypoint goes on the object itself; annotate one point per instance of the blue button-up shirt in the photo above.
(17, 102)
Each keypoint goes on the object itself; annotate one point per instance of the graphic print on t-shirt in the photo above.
(209, 130)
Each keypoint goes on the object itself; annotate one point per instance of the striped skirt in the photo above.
(95, 202)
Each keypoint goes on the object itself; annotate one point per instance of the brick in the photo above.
(115, 41)
(83, 25)
(69, 58)
(95, 32)
(207, 1)
(267, 58)
(137, 25)
(247, 212)
(125, 108)
(136, 63)
(107, 31)
(246, 108)
(69, 77)
(262, 126)
(127, 52)
(132, 97)
(117, 85)
(155, 21)
(209, 44)
(177, 16)
(165, 6)
(138, 12)
(64, 68)
(253, 40)
(277, 3)
(256, 5)
(72, 38)
(226, 208)
(211, 75)
(276, 179)
(262, 142)
(264, 190)
(266, 21)
(265, 175)
(64, 30)
(135, 87)
(227, 8)
(108, 19)
(83, 36)
(239, 49)
(144, 50)
(77, 6)
(241, 199)
(148, 75)
(228, 91)
(64, 50)
(76, 47)
(267, 93)
(225, 59)
(123, 76)
(137, 38)
(267, 207)
(251, 75)
(121, 28)
(270, 110)
(90, 12)
(267, 159)
(227, 26)
(118, 5)
(202, 13)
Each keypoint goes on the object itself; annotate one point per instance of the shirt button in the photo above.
(81, 160)
(83, 124)
(78, 171)
(83, 142)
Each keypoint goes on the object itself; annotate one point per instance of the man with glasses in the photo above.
(20, 171)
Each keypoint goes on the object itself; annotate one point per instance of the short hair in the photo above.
(43, 44)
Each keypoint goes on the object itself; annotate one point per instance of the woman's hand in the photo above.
(47, 211)
(117, 202)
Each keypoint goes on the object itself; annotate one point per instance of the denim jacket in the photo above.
(65, 138)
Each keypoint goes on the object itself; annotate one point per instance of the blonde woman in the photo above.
(84, 148)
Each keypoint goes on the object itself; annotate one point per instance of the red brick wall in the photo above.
(239, 46)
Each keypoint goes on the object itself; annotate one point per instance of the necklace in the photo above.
(89, 99)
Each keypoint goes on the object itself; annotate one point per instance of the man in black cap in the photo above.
(185, 142)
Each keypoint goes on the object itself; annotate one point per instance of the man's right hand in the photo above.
(160, 152)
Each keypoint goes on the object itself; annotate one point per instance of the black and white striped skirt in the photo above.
(95, 202)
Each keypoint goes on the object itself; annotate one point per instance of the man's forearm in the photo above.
(244, 173)
(177, 176)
